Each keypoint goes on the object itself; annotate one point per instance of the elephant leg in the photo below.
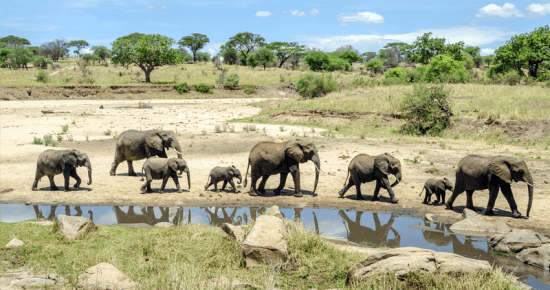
(254, 178)
(224, 185)
(456, 192)
(357, 183)
(443, 197)
(144, 186)
(470, 200)
(116, 162)
(37, 177)
(507, 192)
(428, 195)
(130, 168)
(386, 182)
(233, 185)
(261, 186)
(52, 183)
(346, 187)
(493, 193)
(208, 183)
(177, 182)
(67, 177)
(164, 181)
(295, 172)
(149, 177)
(277, 191)
(76, 177)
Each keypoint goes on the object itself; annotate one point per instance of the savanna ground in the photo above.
(488, 120)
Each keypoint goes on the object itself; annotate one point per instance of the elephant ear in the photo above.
(231, 170)
(69, 158)
(381, 162)
(294, 150)
(171, 164)
(441, 185)
(500, 168)
(153, 140)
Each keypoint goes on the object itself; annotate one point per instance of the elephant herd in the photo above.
(269, 158)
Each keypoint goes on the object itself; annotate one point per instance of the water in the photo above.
(361, 227)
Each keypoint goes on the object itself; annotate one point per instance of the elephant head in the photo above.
(302, 152)
(388, 164)
(76, 158)
(445, 184)
(509, 170)
(173, 165)
(234, 172)
(163, 139)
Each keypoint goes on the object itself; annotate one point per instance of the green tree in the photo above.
(244, 43)
(79, 44)
(336, 63)
(229, 55)
(472, 50)
(4, 55)
(374, 65)
(147, 52)
(194, 42)
(183, 55)
(263, 56)
(350, 56)
(13, 41)
(203, 56)
(251, 61)
(21, 57)
(91, 57)
(444, 68)
(489, 59)
(55, 49)
(317, 60)
(425, 47)
(368, 56)
(455, 50)
(102, 52)
(286, 50)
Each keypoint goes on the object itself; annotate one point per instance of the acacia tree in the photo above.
(244, 42)
(194, 42)
(13, 41)
(425, 47)
(21, 57)
(102, 52)
(263, 56)
(286, 50)
(146, 51)
(54, 49)
(79, 44)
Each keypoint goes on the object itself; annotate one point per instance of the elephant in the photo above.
(52, 162)
(436, 236)
(135, 145)
(226, 174)
(161, 168)
(269, 158)
(476, 172)
(379, 236)
(437, 186)
(366, 168)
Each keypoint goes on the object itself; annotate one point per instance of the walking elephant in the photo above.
(366, 168)
(135, 145)
(269, 158)
(225, 174)
(161, 168)
(53, 162)
(478, 173)
(436, 186)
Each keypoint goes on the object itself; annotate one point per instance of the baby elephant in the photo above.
(226, 174)
(162, 168)
(437, 186)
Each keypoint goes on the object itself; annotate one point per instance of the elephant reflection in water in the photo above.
(254, 212)
(53, 208)
(298, 218)
(215, 220)
(436, 238)
(147, 215)
(466, 249)
(379, 236)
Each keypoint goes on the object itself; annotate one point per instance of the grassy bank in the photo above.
(167, 258)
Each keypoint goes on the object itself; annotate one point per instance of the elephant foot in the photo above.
(252, 193)
(341, 193)
(448, 205)
(375, 198)
(161, 191)
(54, 188)
(394, 200)
(260, 191)
(149, 191)
(76, 187)
(298, 194)
(179, 191)
(516, 214)
(112, 173)
(276, 192)
(489, 212)
(67, 189)
(34, 188)
(132, 174)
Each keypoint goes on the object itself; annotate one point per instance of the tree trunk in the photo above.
(264, 66)
(147, 76)
(194, 57)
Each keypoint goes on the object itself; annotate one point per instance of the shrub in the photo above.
(443, 68)
(396, 73)
(42, 76)
(417, 75)
(86, 80)
(468, 60)
(38, 141)
(249, 90)
(204, 88)
(350, 56)
(426, 110)
(66, 80)
(317, 60)
(336, 63)
(228, 80)
(311, 85)
(182, 88)
(48, 140)
(374, 65)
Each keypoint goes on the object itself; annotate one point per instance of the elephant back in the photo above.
(268, 151)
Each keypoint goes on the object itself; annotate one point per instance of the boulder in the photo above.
(429, 217)
(517, 240)
(14, 243)
(538, 257)
(74, 227)
(478, 226)
(105, 276)
(404, 260)
(275, 211)
(22, 278)
(43, 223)
(468, 213)
(265, 243)
(164, 225)
(235, 232)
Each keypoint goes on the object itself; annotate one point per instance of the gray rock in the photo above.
(43, 223)
(468, 213)
(429, 217)
(404, 260)
(164, 225)
(74, 227)
(479, 226)
(31, 281)
(517, 240)
(197, 236)
(4, 281)
(538, 257)
(355, 249)
(265, 242)
(275, 211)
(235, 232)
(105, 276)
(14, 243)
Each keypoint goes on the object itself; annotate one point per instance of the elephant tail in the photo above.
(207, 182)
(346, 181)
(246, 174)
(142, 179)
(422, 191)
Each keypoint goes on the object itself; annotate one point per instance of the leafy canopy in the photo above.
(194, 42)
(425, 47)
(244, 43)
(79, 44)
(286, 50)
(263, 56)
(350, 56)
(317, 60)
(13, 41)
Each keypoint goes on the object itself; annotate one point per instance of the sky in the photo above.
(366, 25)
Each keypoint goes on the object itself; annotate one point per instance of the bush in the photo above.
(317, 60)
(228, 80)
(86, 80)
(374, 65)
(42, 76)
(468, 60)
(204, 88)
(336, 63)
(350, 56)
(182, 88)
(417, 75)
(249, 90)
(426, 110)
(443, 68)
(312, 86)
(396, 73)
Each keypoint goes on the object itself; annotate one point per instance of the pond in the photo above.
(373, 229)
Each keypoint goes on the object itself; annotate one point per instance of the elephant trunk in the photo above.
(89, 166)
(188, 177)
(529, 181)
(240, 179)
(397, 179)
(317, 162)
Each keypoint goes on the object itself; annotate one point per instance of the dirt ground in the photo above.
(22, 120)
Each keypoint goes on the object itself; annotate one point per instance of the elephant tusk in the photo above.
(529, 183)
(317, 167)
(177, 151)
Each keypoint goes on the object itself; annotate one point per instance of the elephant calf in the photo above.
(162, 168)
(54, 162)
(437, 186)
(226, 174)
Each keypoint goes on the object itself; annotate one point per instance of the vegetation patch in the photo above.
(204, 88)
(182, 88)
(312, 86)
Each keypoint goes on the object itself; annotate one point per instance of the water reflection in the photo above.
(39, 214)
(148, 216)
(379, 235)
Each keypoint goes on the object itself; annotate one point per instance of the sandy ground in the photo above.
(20, 121)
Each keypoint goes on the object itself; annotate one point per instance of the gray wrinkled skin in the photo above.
(162, 168)
(436, 186)
(225, 174)
(54, 162)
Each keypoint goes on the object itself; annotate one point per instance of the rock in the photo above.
(429, 217)
(164, 225)
(468, 213)
(354, 249)
(235, 232)
(517, 240)
(14, 243)
(282, 94)
(538, 257)
(404, 260)
(32, 281)
(74, 227)
(197, 236)
(105, 276)
(275, 211)
(479, 226)
(136, 226)
(43, 223)
(4, 281)
(265, 242)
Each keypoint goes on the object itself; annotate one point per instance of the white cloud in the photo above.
(86, 51)
(507, 10)
(314, 12)
(263, 14)
(29, 28)
(212, 52)
(361, 17)
(213, 48)
(296, 13)
(541, 9)
(154, 7)
(487, 51)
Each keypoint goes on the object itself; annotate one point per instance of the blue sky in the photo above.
(366, 25)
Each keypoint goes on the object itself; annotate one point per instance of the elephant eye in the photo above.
(520, 171)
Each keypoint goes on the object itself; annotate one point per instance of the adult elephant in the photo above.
(366, 168)
(477, 173)
(269, 158)
(135, 145)
(53, 162)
